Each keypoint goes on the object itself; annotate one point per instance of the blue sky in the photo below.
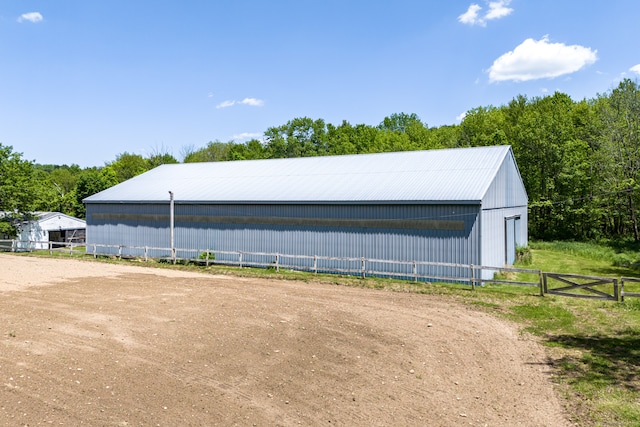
(83, 81)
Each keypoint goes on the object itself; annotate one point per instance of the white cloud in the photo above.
(540, 59)
(31, 17)
(252, 102)
(635, 69)
(246, 135)
(460, 117)
(225, 104)
(497, 9)
(471, 15)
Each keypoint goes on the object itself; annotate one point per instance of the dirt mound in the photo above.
(86, 343)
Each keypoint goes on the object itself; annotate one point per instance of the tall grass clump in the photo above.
(524, 256)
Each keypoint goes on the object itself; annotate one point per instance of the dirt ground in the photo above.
(88, 343)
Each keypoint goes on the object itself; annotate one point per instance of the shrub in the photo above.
(211, 254)
(524, 255)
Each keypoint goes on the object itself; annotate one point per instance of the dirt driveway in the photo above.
(87, 343)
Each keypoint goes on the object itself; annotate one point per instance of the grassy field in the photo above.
(593, 346)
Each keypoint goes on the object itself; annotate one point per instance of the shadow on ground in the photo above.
(604, 360)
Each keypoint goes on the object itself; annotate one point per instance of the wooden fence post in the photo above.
(474, 277)
(541, 283)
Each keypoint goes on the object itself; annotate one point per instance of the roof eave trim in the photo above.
(290, 202)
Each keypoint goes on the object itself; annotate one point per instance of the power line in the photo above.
(574, 199)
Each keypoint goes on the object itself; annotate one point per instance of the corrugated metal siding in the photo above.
(451, 246)
(435, 176)
(493, 235)
(249, 200)
(506, 189)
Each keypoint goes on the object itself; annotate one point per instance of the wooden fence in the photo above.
(625, 293)
(573, 285)
(578, 286)
(362, 267)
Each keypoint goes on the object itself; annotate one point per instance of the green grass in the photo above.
(608, 259)
(593, 346)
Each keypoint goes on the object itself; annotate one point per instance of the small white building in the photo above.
(51, 227)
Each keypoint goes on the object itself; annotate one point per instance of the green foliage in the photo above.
(210, 255)
(483, 126)
(619, 115)
(603, 255)
(400, 123)
(349, 139)
(596, 345)
(92, 181)
(17, 190)
(127, 165)
(579, 161)
(546, 318)
(300, 137)
(251, 150)
(215, 151)
(161, 159)
(524, 255)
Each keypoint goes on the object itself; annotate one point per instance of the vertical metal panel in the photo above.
(126, 232)
(505, 198)
(482, 241)
(506, 189)
(451, 246)
(493, 234)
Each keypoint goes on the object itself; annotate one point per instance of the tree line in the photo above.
(579, 160)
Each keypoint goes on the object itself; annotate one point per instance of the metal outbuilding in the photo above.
(462, 206)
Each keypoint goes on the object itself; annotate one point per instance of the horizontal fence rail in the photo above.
(578, 286)
(624, 292)
(472, 275)
(35, 245)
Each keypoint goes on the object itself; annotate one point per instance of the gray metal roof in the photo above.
(460, 175)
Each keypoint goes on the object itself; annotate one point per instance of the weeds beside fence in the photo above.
(473, 275)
